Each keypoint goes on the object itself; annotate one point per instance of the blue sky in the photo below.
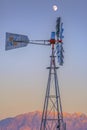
(23, 74)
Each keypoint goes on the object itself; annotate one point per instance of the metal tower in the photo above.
(52, 116)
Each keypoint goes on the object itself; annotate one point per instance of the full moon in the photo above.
(54, 7)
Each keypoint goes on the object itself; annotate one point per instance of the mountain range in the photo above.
(31, 121)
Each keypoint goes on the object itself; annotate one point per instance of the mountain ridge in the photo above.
(31, 121)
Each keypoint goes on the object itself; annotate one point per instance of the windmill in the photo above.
(52, 116)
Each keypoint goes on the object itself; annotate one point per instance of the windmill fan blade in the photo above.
(58, 21)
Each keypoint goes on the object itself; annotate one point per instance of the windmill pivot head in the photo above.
(52, 41)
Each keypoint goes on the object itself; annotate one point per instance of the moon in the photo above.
(55, 7)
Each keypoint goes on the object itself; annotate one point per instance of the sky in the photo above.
(23, 73)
